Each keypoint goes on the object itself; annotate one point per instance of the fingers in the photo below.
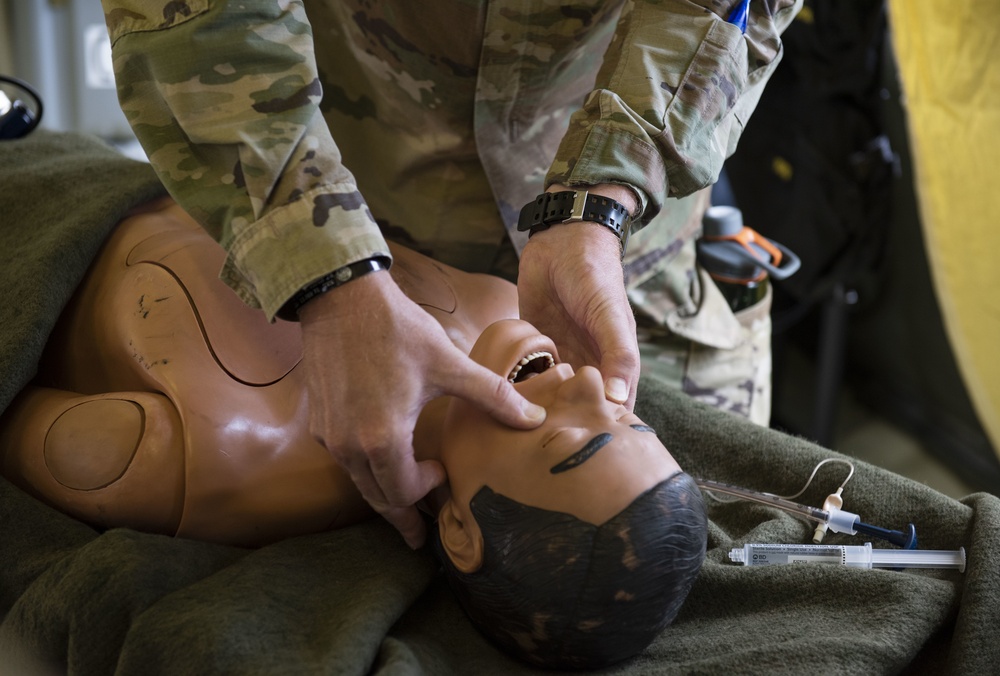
(392, 488)
(406, 481)
(621, 386)
(616, 389)
(406, 517)
(495, 395)
(620, 365)
(409, 523)
(616, 341)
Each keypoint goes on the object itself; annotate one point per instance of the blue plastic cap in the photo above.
(739, 16)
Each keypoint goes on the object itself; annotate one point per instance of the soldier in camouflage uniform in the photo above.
(303, 134)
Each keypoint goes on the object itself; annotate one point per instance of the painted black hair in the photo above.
(562, 593)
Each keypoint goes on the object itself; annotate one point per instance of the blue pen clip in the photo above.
(738, 17)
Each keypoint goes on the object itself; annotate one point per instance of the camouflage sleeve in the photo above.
(224, 97)
(676, 87)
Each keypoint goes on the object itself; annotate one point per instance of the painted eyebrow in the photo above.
(581, 456)
(643, 428)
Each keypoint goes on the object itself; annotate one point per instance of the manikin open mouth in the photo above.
(530, 366)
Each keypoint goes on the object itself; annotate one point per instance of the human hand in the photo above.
(571, 287)
(373, 359)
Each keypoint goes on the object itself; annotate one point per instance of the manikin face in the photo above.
(590, 458)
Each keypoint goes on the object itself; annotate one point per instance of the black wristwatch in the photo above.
(569, 206)
(338, 277)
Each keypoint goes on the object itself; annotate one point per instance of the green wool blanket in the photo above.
(357, 601)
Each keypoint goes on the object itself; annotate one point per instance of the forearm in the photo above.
(226, 104)
(675, 90)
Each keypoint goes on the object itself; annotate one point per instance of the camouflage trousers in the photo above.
(689, 338)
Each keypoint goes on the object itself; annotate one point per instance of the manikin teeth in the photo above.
(540, 361)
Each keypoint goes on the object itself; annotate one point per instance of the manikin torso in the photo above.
(165, 404)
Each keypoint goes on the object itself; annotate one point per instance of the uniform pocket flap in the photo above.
(714, 324)
(130, 16)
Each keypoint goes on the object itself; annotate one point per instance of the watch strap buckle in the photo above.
(568, 206)
(579, 205)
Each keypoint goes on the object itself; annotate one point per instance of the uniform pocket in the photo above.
(715, 356)
(131, 16)
(738, 378)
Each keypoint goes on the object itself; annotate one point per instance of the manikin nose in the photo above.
(585, 385)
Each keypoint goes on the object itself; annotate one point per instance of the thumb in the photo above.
(496, 395)
(620, 369)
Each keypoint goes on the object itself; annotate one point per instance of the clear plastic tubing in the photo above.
(838, 520)
(811, 513)
(852, 556)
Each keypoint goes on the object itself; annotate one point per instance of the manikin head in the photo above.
(572, 545)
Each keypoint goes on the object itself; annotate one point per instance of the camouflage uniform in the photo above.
(450, 115)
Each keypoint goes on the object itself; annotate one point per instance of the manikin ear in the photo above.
(461, 540)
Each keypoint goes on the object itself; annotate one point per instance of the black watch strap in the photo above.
(338, 277)
(568, 206)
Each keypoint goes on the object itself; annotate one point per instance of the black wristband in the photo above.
(568, 206)
(332, 280)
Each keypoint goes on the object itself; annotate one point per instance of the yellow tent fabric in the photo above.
(948, 56)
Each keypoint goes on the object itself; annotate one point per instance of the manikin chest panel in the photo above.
(243, 344)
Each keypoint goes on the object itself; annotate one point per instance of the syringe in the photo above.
(852, 556)
(838, 520)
